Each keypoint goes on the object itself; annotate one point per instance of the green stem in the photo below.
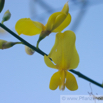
(42, 53)
(37, 45)
(2, 21)
(22, 40)
(18, 42)
(86, 78)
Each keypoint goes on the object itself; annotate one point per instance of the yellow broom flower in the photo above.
(65, 57)
(56, 23)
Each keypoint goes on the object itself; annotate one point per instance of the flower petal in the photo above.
(28, 27)
(48, 62)
(55, 81)
(71, 82)
(55, 20)
(65, 8)
(58, 21)
(62, 78)
(74, 60)
(64, 24)
(63, 49)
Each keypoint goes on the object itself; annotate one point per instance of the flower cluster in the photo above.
(63, 54)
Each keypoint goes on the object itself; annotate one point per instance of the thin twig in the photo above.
(86, 78)
(42, 53)
(22, 40)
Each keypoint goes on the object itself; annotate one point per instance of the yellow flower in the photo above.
(65, 57)
(56, 23)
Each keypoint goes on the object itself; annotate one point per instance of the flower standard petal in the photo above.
(53, 53)
(63, 51)
(55, 81)
(71, 82)
(48, 62)
(75, 60)
(28, 27)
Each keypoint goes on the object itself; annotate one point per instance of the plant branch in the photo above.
(42, 53)
(22, 40)
(86, 78)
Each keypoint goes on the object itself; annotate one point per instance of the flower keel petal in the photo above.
(64, 24)
(55, 20)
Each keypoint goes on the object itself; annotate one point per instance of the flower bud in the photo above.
(102, 84)
(5, 44)
(2, 43)
(6, 16)
(1, 5)
(65, 8)
(29, 51)
(2, 31)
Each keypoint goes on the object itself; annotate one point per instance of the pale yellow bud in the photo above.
(65, 8)
(6, 16)
(5, 44)
(2, 43)
(29, 51)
